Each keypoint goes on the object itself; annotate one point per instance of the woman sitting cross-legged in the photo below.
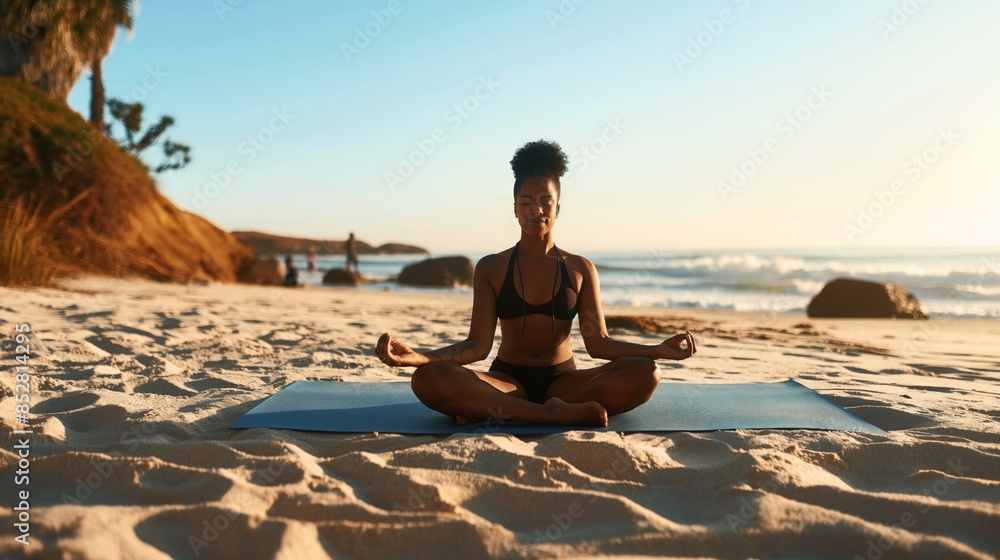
(535, 290)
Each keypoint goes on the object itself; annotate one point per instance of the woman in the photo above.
(534, 378)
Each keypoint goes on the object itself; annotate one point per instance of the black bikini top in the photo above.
(510, 304)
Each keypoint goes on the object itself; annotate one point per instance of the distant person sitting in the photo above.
(352, 254)
(291, 273)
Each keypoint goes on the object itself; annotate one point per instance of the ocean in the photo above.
(951, 283)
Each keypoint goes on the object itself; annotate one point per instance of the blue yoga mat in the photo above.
(332, 406)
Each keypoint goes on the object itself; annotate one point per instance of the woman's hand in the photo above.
(394, 353)
(677, 347)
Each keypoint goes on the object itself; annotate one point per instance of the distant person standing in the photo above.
(352, 254)
(311, 259)
(291, 273)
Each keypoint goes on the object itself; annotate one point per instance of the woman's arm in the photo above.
(475, 347)
(595, 332)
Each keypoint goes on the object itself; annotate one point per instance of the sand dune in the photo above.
(135, 384)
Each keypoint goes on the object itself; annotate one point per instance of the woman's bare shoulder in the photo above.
(577, 262)
(491, 263)
(502, 256)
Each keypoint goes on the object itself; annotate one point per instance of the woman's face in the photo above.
(536, 205)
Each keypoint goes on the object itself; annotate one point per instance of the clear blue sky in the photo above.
(659, 104)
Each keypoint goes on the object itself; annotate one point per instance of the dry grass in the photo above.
(25, 255)
(28, 256)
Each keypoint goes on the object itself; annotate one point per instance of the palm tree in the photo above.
(38, 46)
(96, 29)
(48, 44)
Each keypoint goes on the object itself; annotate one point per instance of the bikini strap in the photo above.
(510, 264)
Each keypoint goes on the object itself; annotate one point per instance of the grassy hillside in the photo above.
(72, 202)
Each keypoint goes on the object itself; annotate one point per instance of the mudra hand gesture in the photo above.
(392, 352)
(677, 347)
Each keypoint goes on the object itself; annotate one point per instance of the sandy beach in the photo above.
(133, 386)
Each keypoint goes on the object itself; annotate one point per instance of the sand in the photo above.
(134, 385)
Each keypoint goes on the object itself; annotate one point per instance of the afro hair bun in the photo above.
(539, 159)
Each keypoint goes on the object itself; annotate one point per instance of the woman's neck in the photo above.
(536, 246)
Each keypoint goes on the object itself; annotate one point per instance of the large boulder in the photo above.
(439, 272)
(342, 276)
(848, 298)
(268, 272)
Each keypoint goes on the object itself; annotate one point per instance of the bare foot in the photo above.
(589, 413)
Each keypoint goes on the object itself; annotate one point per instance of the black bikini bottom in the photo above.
(535, 380)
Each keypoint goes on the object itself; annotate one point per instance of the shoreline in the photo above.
(962, 285)
(461, 293)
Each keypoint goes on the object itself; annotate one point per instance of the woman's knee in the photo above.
(643, 370)
(430, 381)
(427, 374)
(636, 381)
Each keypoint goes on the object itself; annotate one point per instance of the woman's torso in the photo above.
(549, 294)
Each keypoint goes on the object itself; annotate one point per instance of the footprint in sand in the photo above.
(166, 322)
(102, 422)
(82, 317)
(108, 345)
(160, 340)
(936, 369)
(65, 403)
(463, 538)
(110, 479)
(211, 532)
(882, 414)
(283, 338)
(335, 504)
(173, 484)
(164, 387)
(931, 388)
(210, 383)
